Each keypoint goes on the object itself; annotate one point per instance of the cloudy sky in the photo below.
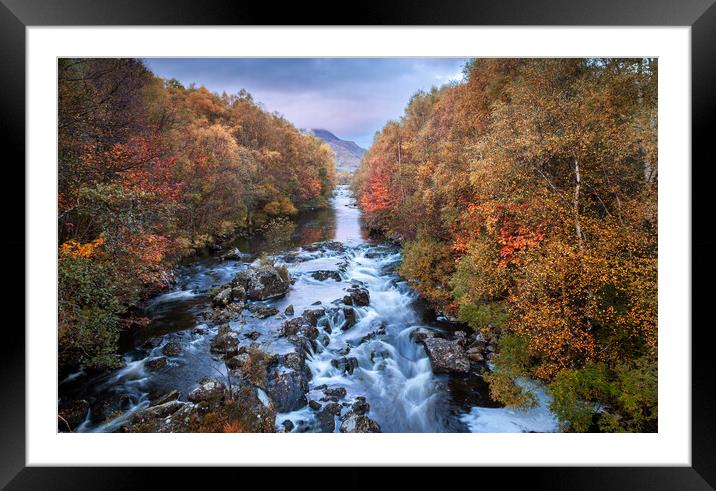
(351, 97)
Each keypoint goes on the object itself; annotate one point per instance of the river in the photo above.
(393, 372)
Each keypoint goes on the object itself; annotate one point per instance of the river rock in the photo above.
(238, 293)
(158, 411)
(110, 407)
(74, 413)
(226, 314)
(157, 363)
(234, 254)
(446, 356)
(222, 299)
(461, 338)
(324, 275)
(226, 342)
(288, 390)
(475, 354)
(289, 310)
(359, 424)
(264, 282)
(299, 328)
(263, 312)
(360, 406)
(334, 393)
(345, 365)
(357, 296)
(172, 348)
(326, 421)
(169, 396)
(334, 245)
(421, 334)
(315, 405)
(288, 425)
(350, 316)
(209, 390)
(294, 360)
(312, 315)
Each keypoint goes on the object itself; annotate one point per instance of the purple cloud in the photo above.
(351, 97)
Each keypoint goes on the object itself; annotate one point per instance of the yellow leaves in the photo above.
(86, 250)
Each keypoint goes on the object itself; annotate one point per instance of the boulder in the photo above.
(475, 354)
(158, 411)
(234, 254)
(312, 315)
(288, 390)
(172, 348)
(461, 338)
(334, 245)
(110, 407)
(345, 365)
(288, 425)
(357, 296)
(360, 406)
(315, 405)
(350, 316)
(263, 312)
(222, 299)
(446, 356)
(294, 360)
(157, 363)
(421, 334)
(169, 396)
(226, 314)
(326, 421)
(263, 282)
(324, 275)
(334, 393)
(226, 342)
(238, 293)
(289, 310)
(359, 424)
(208, 391)
(299, 328)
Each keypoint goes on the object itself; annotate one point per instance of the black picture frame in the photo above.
(16, 15)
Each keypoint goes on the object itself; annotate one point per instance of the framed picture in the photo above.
(454, 234)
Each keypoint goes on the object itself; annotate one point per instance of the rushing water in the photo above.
(393, 374)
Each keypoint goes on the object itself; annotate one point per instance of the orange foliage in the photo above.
(86, 250)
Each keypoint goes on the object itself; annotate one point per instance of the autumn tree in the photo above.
(526, 198)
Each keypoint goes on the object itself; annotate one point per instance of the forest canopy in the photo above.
(151, 171)
(526, 201)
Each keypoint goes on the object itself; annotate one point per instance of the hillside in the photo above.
(348, 153)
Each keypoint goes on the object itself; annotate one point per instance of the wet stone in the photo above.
(172, 348)
(154, 364)
(326, 275)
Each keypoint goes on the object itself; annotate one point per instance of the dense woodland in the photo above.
(525, 198)
(150, 172)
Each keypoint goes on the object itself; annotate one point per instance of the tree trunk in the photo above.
(577, 191)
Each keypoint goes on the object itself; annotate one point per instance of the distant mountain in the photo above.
(348, 154)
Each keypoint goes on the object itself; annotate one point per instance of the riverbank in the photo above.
(336, 343)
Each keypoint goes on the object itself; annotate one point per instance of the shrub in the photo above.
(89, 313)
(510, 365)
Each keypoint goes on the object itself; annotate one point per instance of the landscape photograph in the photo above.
(357, 245)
